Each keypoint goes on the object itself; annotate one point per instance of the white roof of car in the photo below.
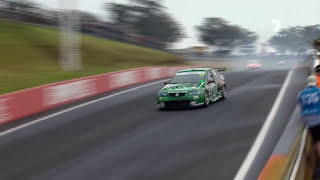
(190, 72)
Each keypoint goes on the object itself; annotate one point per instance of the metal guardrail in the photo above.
(297, 164)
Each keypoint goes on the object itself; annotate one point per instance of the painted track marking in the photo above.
(255, 148)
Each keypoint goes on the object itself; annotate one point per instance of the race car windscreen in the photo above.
(188, 78)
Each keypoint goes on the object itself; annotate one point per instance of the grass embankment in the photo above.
(29, 57)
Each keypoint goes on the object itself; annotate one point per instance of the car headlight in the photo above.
(192, 93)
(163, 94)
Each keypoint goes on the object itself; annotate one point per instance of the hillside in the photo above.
(29, 56)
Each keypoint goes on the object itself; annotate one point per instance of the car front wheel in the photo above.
(206, 99)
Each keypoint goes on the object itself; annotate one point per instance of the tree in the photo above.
(154, 5)
(120, 14)
(221, 34)
(147, 18)
(86, 17)
(159, 26)
(316, 44)
(295, 39)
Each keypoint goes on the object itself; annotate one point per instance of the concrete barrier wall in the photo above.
(38, 99)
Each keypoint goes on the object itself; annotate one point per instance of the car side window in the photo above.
(215, 75)
(210, 76)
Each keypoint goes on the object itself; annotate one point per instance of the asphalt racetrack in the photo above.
(125, 137)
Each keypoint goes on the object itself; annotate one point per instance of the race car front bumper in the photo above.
(177, 102)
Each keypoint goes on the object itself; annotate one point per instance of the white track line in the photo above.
(298, 160)
(256, 147)
(75, 107)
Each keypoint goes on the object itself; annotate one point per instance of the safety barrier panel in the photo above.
(280, 163)
(297, 163)
(38, 99)
(305, 161)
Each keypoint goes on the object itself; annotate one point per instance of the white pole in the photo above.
(70, 36)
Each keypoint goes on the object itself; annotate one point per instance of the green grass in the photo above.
(29, 57)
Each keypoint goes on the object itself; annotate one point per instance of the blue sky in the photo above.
(256, 15)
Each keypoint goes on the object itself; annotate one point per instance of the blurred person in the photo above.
(309, 100)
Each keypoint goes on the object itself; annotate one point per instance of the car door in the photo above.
(217, 79)
(213, 85)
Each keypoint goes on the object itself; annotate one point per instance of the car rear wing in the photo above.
(220, 69)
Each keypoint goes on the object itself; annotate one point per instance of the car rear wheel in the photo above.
(206, 99)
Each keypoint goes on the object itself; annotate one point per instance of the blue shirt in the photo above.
(309, 100)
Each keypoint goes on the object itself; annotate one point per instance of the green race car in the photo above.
(191, 88)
